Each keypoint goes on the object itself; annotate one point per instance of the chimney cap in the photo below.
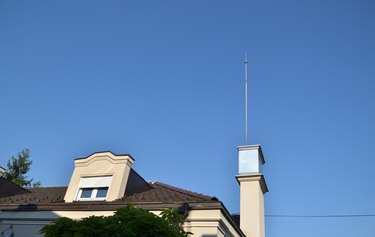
(250, 159)
(253, 147)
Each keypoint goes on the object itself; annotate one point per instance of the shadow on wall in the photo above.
(209, 235)
(20, 230)
(23, 225)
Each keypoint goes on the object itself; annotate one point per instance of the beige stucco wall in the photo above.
(209, 223)
(101, 164)
(251, 205)
(202, 223)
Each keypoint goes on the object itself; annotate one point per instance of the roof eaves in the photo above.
(103, 206)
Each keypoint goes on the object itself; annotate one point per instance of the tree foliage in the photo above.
(175, 220)
(18, 166)
(126, 222)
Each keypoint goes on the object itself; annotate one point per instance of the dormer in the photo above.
(101, 176)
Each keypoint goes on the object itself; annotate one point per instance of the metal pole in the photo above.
(246, 116)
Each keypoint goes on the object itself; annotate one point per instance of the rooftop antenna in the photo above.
(246, 112)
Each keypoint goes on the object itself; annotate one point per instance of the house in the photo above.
(103, 182)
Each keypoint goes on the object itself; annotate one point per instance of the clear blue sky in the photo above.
(164, 82)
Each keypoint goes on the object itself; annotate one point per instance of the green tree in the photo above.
(175, 220)
(18, 166)
(127, 221)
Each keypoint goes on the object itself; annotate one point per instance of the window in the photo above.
(86, 192)
(102, 192)
(93, 188)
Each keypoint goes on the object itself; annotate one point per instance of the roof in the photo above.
(138, 192)
(159, 193)
(164, 193)
(236, 218)
(8, 188)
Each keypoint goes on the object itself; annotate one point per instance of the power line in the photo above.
(323, 216)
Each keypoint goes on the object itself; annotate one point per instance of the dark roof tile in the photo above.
(9, 189)
(164, 193)
(158, 193)
(37, 196)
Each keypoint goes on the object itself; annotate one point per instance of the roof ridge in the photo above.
(184, 191)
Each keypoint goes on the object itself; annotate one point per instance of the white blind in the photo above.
(95, 182)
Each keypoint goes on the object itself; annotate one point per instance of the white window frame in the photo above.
(94, 183)
(93, 195)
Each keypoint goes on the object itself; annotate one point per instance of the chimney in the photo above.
(2, 171)
(252, 189)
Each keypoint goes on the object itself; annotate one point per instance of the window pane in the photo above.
(102, 192)
(86, 192)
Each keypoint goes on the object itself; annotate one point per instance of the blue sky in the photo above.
(164, 82)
